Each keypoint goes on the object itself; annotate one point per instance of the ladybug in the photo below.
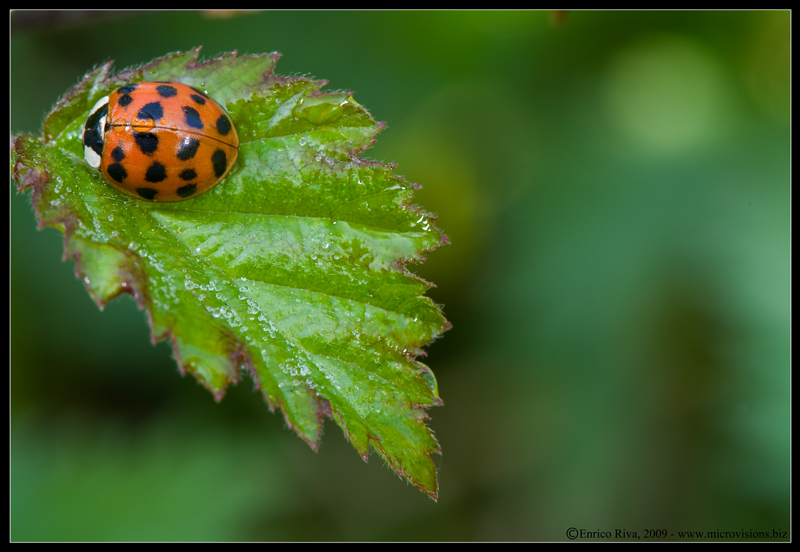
(160, 141)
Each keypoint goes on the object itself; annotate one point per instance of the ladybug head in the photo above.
(94, 133)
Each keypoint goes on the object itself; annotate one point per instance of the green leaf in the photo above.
(293, 268)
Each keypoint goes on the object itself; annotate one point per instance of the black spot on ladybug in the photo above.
(186, 191)
(198, 99)
(192, 117)
(220, 162)
(147, 193)
(166, 91)
(153, 110)
(155, 173)
(124, 100)
(223, 125)
(188, 148)
(118, 154)
(147, 142)
(127, 89)
(188, 174)
(117, 172)
(92, 134)
(199, 91)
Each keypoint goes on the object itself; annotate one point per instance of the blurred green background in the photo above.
(616, 187)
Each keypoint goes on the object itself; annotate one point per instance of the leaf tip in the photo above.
(431, 489)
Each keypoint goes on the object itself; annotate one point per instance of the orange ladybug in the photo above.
(160, 141)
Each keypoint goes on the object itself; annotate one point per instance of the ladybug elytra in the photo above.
(160, 141)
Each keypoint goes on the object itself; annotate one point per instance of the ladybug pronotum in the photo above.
(160, 141)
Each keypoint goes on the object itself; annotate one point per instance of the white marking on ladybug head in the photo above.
(91, 157)
(100, 103)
